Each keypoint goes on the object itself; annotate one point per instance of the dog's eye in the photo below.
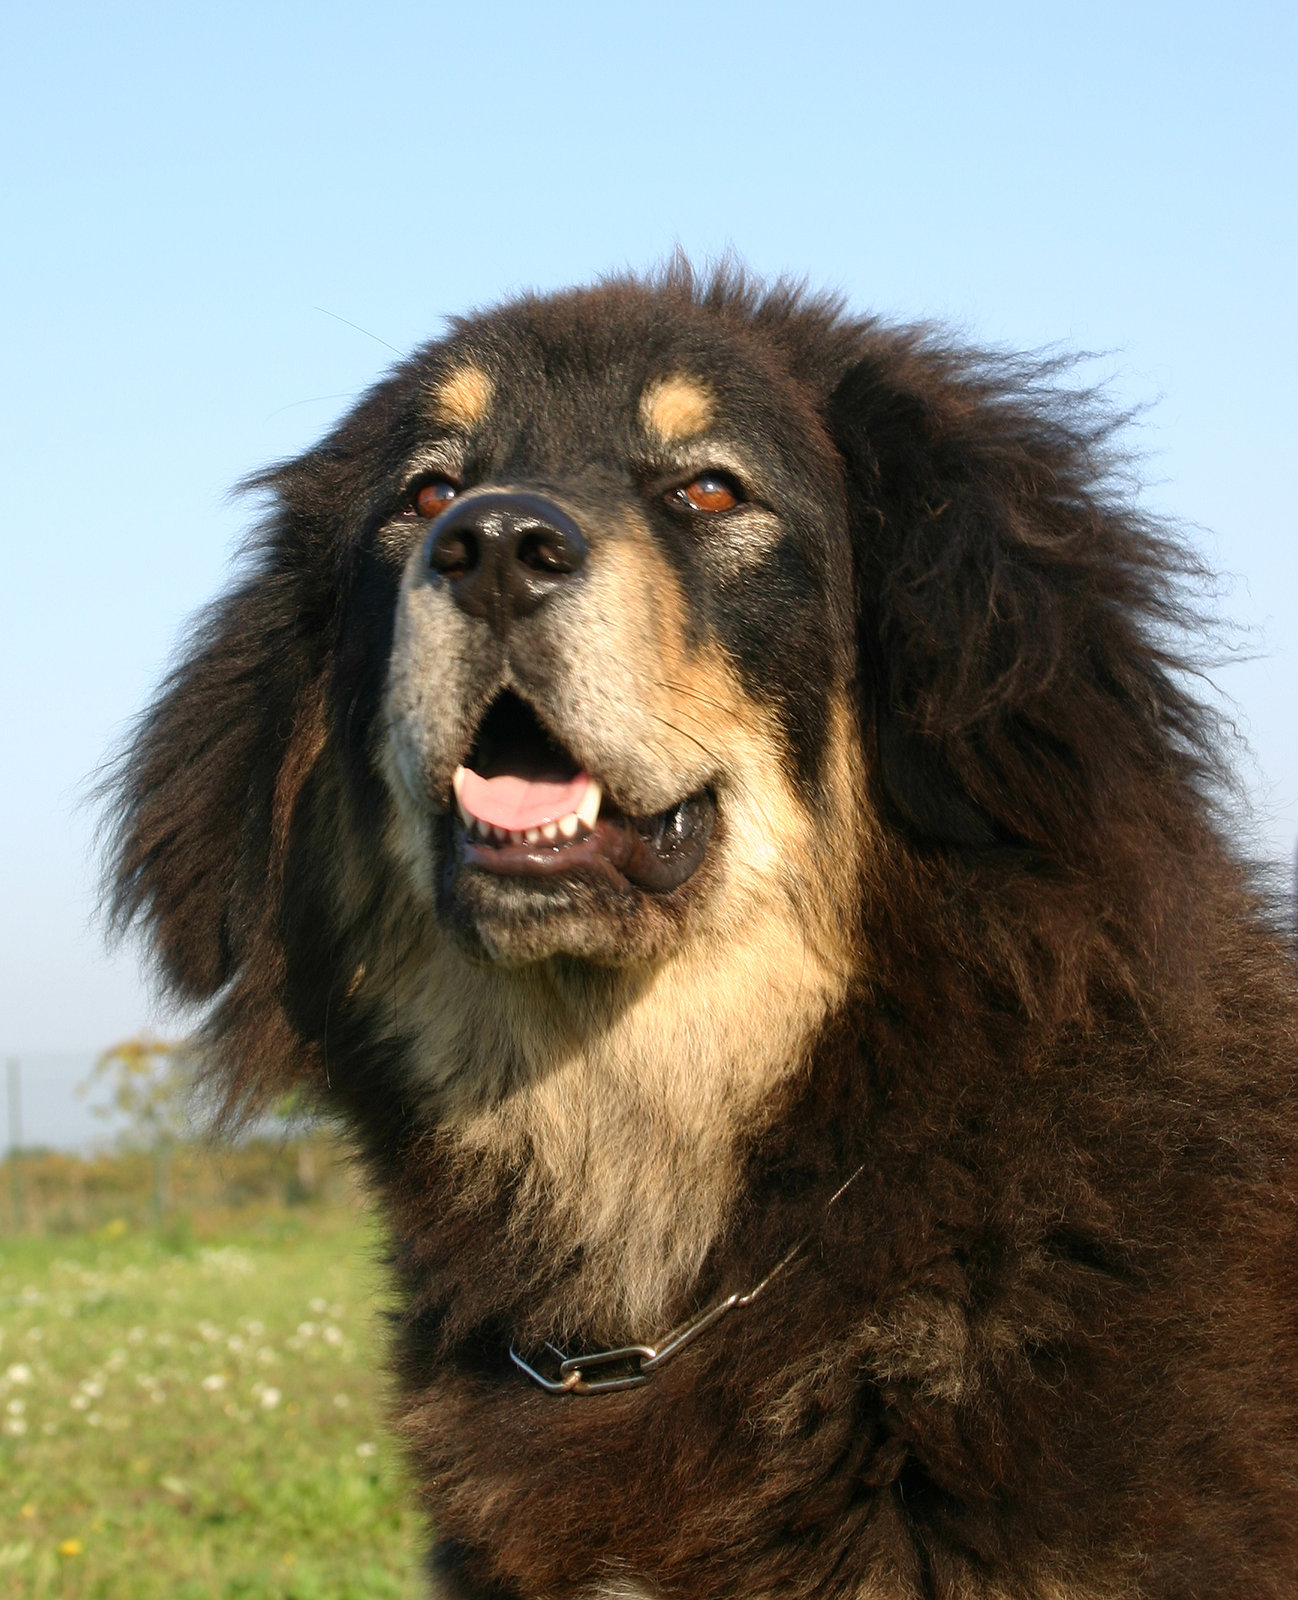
(433, 497)
(710, 491)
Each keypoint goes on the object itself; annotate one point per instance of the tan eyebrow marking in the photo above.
(462, 398)
(676, 407)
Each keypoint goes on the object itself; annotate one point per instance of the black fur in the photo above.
(1046, 1344)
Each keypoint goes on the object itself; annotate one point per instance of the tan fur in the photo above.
(676, 408)
(623, 1095)
(463, 399)
(620, 1096)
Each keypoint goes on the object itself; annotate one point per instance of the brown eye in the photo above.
(710, 491)
(433, 498)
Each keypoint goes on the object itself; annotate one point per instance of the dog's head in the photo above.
(618, 633)
(636, 617)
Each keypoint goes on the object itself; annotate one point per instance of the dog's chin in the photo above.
(618, 896)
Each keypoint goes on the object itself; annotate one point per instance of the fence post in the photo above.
(161, 1178)
(13, 1072)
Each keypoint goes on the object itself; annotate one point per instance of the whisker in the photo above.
(691, 694)
(706, 749)
(359, 329)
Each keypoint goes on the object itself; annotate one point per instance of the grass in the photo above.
(198, 1416)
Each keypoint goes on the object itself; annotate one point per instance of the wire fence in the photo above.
(182, 1187)
(72, 1162)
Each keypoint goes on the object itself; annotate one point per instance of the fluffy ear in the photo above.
(205, 800)
(200, 791)
(1016, 615)
(202, 803)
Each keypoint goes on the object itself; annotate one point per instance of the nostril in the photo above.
(544, 552)
(454, 552)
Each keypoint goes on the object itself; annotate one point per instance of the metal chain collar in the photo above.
(646, 1359)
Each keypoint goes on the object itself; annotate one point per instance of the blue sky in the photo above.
(194, 196)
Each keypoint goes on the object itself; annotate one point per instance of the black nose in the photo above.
(503, 554)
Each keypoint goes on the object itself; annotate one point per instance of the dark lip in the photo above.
(657, 853)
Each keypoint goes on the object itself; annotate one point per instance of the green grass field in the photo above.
(191, 1418)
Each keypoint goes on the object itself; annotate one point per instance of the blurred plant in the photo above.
(150, 1083)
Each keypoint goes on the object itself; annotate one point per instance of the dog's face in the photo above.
(656, 639)
(618, 703)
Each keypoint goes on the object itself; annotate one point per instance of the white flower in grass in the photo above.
(332, 1335)
(20, 1372)
(15, 1426)
(267, 1356)
(95, 1420)
(269, 1398)
(80, 1402)
(306, 1330)
(93, 1388)
(137, 1334)
(15, 1408)
(35, 1335)
(365, 1451)
(214, 1381)
(318, 1306)
(234, 1344)
(342, 1401)
(252, 1327)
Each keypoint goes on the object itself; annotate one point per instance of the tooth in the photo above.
(550, 831)
(457, 779)
(568, 825)
(588, 810)
(498, 834)
(484, 828)
(515, 837)
(532, 835)
(466, 816)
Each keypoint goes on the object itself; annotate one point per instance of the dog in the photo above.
(705, 788)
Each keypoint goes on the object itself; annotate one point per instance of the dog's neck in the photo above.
(617, 1105)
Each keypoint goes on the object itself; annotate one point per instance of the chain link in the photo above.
(643, 1360)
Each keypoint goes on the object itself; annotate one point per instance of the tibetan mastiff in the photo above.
(707, 790)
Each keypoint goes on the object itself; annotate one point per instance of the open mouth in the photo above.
(527, 808)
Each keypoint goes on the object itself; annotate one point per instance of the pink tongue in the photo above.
(519, 803)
